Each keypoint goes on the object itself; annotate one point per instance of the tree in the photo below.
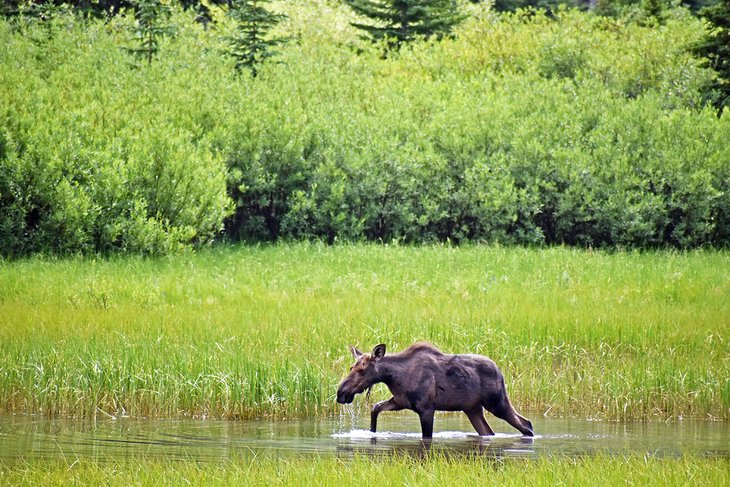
(653, 12)
(400, 21)
(150, 25)
(249, 44)
(715, 48)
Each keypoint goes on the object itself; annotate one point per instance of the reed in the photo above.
(239, 332)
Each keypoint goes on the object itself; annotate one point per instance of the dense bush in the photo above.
(523, 129)
(93, 157)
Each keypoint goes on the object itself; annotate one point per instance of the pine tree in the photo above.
(715, 48)
(249, 45)
(653, 12)
(400, 21)
(150, 25)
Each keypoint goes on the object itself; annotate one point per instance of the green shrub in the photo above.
(522, 129)
(94, 158)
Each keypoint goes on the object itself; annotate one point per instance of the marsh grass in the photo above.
(364, 471)
(262, 331)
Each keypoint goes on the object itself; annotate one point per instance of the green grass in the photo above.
(599, 470)
(262, 331)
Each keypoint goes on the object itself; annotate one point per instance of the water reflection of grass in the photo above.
(600, 470)
(255, 331)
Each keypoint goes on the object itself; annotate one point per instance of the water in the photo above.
(23, 438)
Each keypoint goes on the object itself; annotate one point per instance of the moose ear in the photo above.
(355, 352)
(379, 351)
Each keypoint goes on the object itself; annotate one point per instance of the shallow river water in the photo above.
(24, 438)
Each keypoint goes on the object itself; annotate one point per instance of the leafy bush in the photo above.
(522, 129)
(106, 166)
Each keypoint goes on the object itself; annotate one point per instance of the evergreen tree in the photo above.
(150, 25)
(653, 11)
(400, 21)
(250, 45)
(715, 48)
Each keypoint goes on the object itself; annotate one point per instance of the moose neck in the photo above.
(387, 372)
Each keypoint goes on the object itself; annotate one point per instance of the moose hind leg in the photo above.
(504, 410)
(526, 422)
(388, 405)
(476, 416)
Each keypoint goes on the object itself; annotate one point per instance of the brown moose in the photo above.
(425, 380)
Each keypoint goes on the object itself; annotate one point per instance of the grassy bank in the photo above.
(362, 471)
(252, 331)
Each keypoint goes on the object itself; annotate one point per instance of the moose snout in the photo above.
(345, 396)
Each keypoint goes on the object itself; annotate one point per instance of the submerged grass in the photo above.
(362, 471)
(252, 331)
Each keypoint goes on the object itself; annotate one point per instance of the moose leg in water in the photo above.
(504, 410)
(426, 422)
(476, 416)
(388, 405)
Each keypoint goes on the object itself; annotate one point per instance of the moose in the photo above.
(424, 380)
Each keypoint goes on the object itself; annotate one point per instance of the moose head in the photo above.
(363, 374)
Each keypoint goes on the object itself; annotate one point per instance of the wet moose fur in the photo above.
(425, 380)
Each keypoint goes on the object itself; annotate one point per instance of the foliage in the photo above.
(110, 165)
(547, 5)
(654, 9)
(96, 8)
(103, 8)
(249, 44)
(399, 21)
(715, 47)
(523, 129)
(541, 171)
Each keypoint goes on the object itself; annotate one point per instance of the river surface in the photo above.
(24, 438)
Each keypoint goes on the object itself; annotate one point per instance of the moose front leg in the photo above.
(427, 423)
(388, 405)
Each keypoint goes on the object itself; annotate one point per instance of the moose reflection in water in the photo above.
(424, 380)
(452, 444)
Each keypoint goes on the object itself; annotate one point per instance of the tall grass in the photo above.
(254, 331)
(361, 471)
